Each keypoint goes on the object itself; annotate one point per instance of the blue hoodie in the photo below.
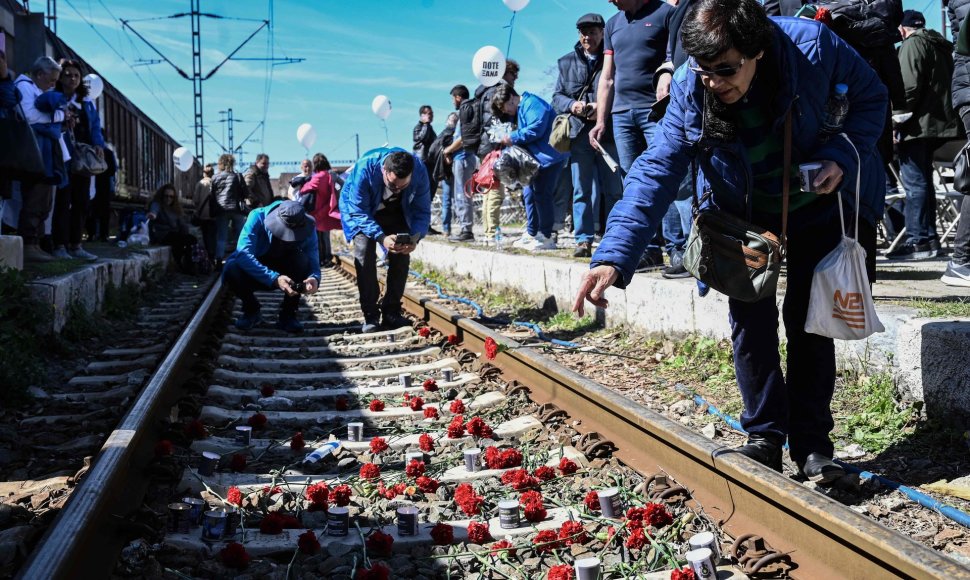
(812, 60)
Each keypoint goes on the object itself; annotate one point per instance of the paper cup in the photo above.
(706, 540)
(214, 525)
(179, 517)
(198, 506)
(508, 514)
(405, 380)
(807, 172)
(355, 432)
(702, 563)
(611, 505)
(407, 521)
(588, 569)
(447, 374)
(244, 435)
(473, 459)
(207, 467)
(338, 521)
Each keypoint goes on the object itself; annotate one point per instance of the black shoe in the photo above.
(392, 321)
(911, 252)
(433, 232)
(369, 326)
(676, 268)
(764, 449)
(820, 469)
(650, 261)
(462, 237)
(583, 250)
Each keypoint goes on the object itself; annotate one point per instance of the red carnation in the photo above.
(427, 484)
(318, 494)
(424, 332)
(426, 443)
(164, 448)
(478, 533)
(380, 543)
(308, 543)
(375, 572)
(519, 479)
(457, 407)
(267, 390)
(414, 469)
(430, 385)
(657, 515)
(275, 490)
(196, 429)
(560, 572)
(573, 532)
(341, 403)
(456, 428)
(491, 348)
(257, 421)
(431, 413)
(453, 339)
(532, 506)
(340, 495)
(466, 498)
(378, 445)
(567, 466)
(479, 428)
(546, 541)
(376, 405)
(234, 555)
(370, 471)
(442, 534)
(503, 546)
(823, 15)
(272, 524)
(297, 443)
(592, 501)
(238, 462)
(544, 473)
(685, 573)
(637, 539)
(416, 404)
(407, 397)
(234, 496)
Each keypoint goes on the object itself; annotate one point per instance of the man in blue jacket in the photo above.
(277, 248)
(386, 200)
(745, 76)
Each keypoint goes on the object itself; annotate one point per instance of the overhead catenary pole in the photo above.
(197, 79)
(357, 137)
(51, 15)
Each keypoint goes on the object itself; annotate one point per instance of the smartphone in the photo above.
(401, 239)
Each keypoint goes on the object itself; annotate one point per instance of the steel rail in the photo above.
(93, 515)
(824, 538)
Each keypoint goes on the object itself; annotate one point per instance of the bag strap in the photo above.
(786, 184)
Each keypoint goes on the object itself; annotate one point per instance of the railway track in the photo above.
(300, 393)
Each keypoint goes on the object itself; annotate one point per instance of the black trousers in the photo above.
(365, 261)
(70, 211)
(295, 265)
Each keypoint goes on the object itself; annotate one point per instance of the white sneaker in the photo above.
(526, 242)
(82, 254)
(544, 243)
(61, 254)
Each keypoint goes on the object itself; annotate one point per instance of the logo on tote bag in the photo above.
(849, 308)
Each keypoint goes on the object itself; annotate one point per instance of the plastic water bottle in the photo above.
(498, 238)
(836, 110)
(321, 452)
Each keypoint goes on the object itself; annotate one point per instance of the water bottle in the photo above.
(498, 238)
(321, 452)
(836, 109)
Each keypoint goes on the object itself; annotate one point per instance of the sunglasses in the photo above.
(724, 71)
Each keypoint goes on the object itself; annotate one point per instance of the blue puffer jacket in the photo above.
(535, 125)
(255, 240)
(812, 60)
(364, 189)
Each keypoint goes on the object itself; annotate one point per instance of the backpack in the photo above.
(437, 168)
(470, 116)
(863, 23)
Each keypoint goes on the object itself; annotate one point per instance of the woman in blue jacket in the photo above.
(535, 118)
(727, 113)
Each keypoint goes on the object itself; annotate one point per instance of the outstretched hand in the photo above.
(593, 287)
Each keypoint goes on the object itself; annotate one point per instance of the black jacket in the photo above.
(424, 136)
(438, 170)
(230, 191)
(576, 74)
(960, 86)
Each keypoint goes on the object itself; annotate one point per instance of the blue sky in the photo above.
(413, 51)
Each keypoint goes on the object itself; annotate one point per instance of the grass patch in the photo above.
(568, 322)
(926, 308)
(871, 412)
(121, 303)
(22, 354)
(706, 363)
(53, 269)
(80, 324)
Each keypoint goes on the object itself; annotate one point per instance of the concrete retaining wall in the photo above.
(928, 356)
(88, 286)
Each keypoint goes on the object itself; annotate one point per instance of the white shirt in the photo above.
(29, 93)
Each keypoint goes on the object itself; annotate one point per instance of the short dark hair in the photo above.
(320, 162)
(424, 109)
(261, 156)
(400, 163)
(503, 93)
(208, 170)
(712, 27)
(512, 67)
(460, 91)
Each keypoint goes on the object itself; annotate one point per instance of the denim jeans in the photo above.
(464, 207)
(633, 130)
(796, 406)
(539, 202)
(562, 199)
(238, 219)
(447, 189)
(594, 186)
(916, 172)
(296, 265)
(961, 244)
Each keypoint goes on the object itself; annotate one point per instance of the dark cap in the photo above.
(289, 222)
(591, 19)
(913, 19)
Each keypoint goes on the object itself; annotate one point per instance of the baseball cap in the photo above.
(289, 222)
(591, 19)
(913, 19)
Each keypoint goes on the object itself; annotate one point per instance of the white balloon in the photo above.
(381, 106)
(515, 5)
(184, 159)
(95, 86)
(488, 65)
(306, 135)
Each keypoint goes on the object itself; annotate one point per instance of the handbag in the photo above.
(961, 170)
(20, 157)
(566, 126)
(733, 256)
(85, 159)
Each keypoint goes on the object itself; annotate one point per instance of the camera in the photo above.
(299, 287)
